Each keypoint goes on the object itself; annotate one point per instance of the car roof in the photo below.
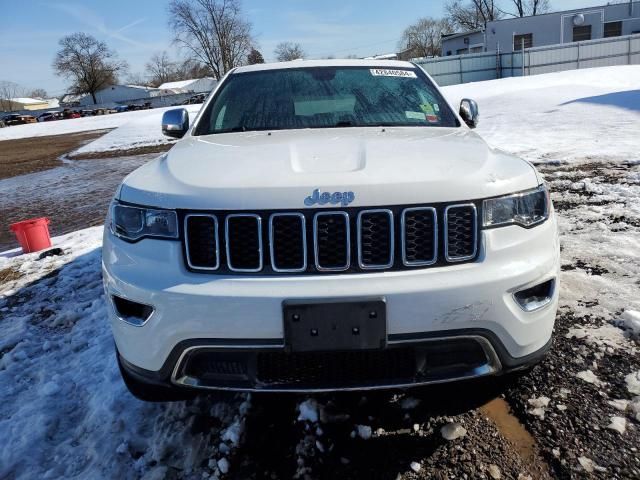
(365, 63)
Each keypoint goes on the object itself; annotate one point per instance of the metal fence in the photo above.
(533, 61)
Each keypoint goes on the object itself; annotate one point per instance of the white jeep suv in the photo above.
(328, 225)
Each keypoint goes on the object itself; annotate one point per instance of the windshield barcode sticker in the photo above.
(385, 72)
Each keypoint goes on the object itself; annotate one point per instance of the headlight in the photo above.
(525, 209)
(133, 223)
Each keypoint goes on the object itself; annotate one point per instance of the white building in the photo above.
(194, 85)
(120, 94)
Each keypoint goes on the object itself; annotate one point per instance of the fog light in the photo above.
(536, 297)
(131, 312)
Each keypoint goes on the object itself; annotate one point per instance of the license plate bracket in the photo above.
(335, 325)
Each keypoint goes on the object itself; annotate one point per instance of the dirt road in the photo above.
(28, 155)
(74, 195)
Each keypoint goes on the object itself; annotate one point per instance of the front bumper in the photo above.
(224, 314)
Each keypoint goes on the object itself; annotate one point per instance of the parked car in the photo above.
(195, 99)
(17, 119)
(50, 116)
(86, 113)
(361, 236)
(67, 114)
(121, 108)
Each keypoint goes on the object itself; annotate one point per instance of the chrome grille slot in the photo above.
(375, 239)
(419, 236)
(243, 239)
(460, 226)
(331, 238)
(288, 242)
(201, 246)
(317, 240)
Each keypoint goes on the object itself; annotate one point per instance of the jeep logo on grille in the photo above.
(344, 198)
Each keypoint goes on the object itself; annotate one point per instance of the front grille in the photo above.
(335, 368)
(460, 230)
(331, 241)
(243, 240)
(313, 241)
(201, 243)
(375, 239)
(426, 361)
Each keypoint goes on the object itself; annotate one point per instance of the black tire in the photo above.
(153, 393)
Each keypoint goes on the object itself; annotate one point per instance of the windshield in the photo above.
(325, 97)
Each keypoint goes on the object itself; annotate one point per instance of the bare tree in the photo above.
(525, 8)
(88, 63)
(138, 79)
(424, 38)
(191, 68)
(40, 93)
(215, 32)
(472, 14)
(9, 90)
(286, 51)
(254, 57)
(161, 69)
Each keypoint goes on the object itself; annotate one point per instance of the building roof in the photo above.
(450, 36)
(182, 83)
(325, 63)
(27, 101)
(141, 87)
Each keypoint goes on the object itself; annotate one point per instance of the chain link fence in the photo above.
(476, 67)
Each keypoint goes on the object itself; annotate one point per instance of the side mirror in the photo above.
(175, 123)
(469, 112)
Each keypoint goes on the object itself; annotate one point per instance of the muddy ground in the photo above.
(28, 155)
(509, 430)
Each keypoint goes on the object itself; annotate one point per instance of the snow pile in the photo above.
(539, 405)
(589, 377)
(142, 131)
(631, 321)
(64, 410)
(604, 336)
(633, 382)
(570, 115)
(74, 125)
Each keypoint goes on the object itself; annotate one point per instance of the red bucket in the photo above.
(33, 234)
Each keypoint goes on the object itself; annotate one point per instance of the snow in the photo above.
(539, 405)
(619, 404)
(142, 131)
(589, 465)
(605, 335)
(364, 431)
(631, 321)
(536, 116)
(99, 122)
(308, 411)
(589, 377)
(633, 382)
(63, 406)
(618, 424)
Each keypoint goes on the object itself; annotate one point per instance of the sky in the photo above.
(136, 29)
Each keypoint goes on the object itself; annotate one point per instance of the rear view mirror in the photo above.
(175, 123)
(469, 112)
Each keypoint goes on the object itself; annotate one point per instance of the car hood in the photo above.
(279, 169)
